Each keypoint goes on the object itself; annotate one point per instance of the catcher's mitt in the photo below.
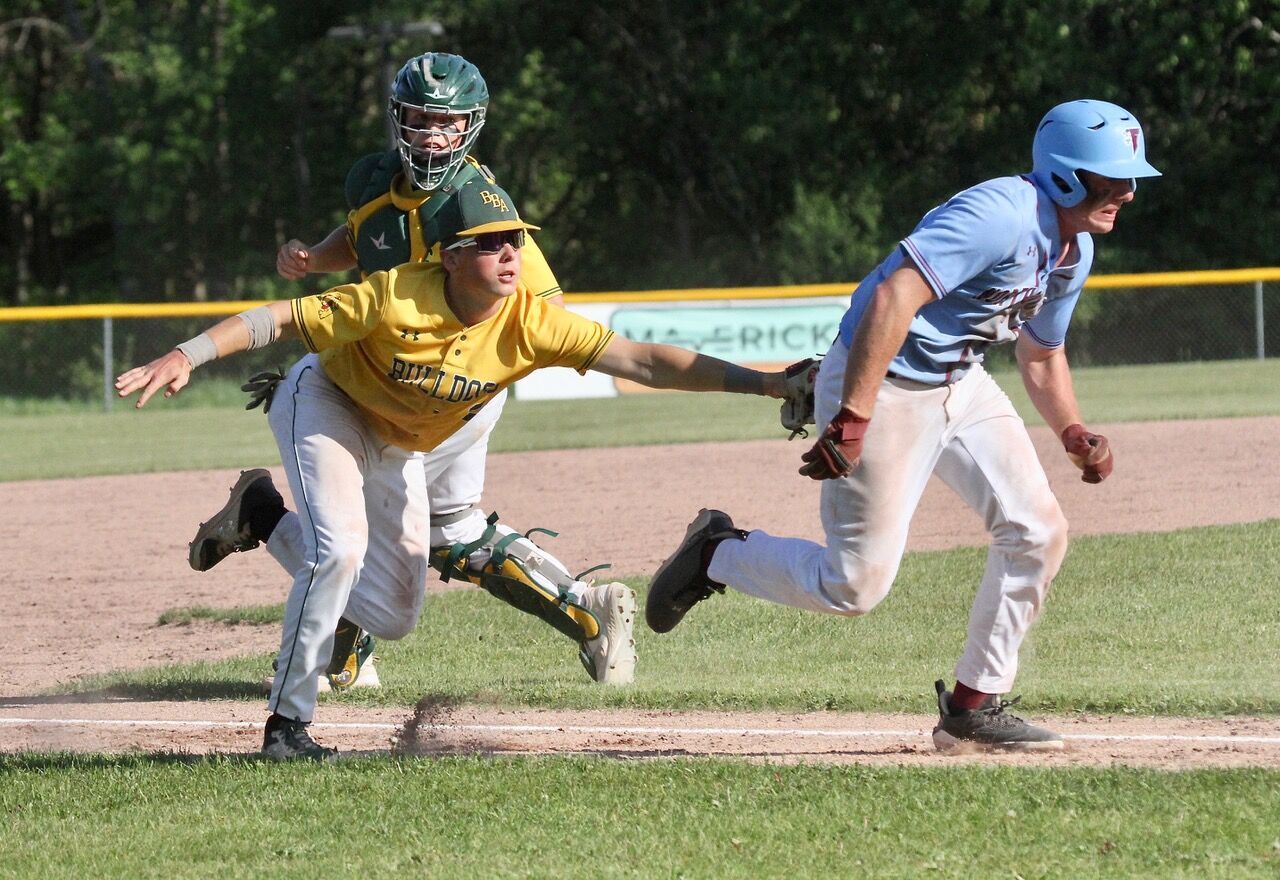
(797, 406)
(261, 388)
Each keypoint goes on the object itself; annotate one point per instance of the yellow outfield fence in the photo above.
(1178, 316)
(1208, 277)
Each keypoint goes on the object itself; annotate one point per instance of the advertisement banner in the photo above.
(769, 334)
(764, 332)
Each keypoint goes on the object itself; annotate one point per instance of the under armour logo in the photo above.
(404, 334)
(380, 242)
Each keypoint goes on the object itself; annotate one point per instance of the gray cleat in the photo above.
(681, 582)
(228, 531)
(990, 727)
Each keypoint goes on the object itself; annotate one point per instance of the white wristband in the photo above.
(199, 350)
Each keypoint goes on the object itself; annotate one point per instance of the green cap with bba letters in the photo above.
(479, 207)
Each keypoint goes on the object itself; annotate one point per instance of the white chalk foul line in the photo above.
(763, 732)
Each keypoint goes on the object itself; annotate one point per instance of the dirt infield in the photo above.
(93, 562)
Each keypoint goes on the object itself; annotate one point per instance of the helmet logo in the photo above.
(1132, 135)
(436, 85)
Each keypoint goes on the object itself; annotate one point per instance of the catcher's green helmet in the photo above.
(441, 85)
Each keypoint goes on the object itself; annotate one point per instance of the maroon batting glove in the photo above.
(838, 449)
(1089, 452)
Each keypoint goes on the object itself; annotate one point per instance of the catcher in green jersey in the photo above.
(400, 201)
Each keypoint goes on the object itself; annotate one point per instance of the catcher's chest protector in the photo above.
(384, 234)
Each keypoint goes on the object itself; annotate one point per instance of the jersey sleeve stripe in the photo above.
(597, 352)
(939, 289)
(1026, 328)
(296, 307)
(550, 292)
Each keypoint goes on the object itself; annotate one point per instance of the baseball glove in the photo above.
(261, 388)
(797, 405)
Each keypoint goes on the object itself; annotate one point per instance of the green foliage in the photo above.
(829, 237)
(164, 151)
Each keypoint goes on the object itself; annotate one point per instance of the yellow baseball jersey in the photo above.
(392, 343)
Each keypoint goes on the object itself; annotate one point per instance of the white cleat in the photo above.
(610, 658)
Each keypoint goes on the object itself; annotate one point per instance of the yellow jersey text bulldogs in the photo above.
(441, 385)
(417, 374)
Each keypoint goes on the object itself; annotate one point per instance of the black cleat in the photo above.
(230, 529)
(990, 727)
(681, 582)
(288, 740)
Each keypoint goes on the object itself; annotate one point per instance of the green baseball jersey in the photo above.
(392, 223)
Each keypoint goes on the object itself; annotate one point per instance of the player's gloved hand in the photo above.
(1089, 452)
(797, 404)
(838, 448)
(261, 388)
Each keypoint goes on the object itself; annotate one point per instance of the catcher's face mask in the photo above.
(438, 103)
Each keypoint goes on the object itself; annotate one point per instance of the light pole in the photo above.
(385, 33)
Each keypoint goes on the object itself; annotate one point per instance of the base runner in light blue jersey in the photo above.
(904, 395)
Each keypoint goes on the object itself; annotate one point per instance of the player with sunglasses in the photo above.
(491, 242)
(400, 201)
(401, 364)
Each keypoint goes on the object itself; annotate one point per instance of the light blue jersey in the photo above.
(989, 255)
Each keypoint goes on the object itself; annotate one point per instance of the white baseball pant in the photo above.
(970, 436)
(358, 543)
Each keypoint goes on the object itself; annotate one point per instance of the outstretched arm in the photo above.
(666, 366)
(252, 329)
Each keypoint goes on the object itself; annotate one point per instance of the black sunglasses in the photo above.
(491, 242)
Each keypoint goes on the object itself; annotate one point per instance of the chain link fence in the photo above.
(1171, 324)
(48, 359)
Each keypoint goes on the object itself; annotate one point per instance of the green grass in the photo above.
(1175, 623)
(60, 442)
(143, 816)
(1156, 392)
(254, 615)
(1184, 623)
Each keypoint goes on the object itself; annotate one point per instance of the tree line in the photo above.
(163, 151)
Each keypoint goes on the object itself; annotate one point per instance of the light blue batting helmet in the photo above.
(1087, 136)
